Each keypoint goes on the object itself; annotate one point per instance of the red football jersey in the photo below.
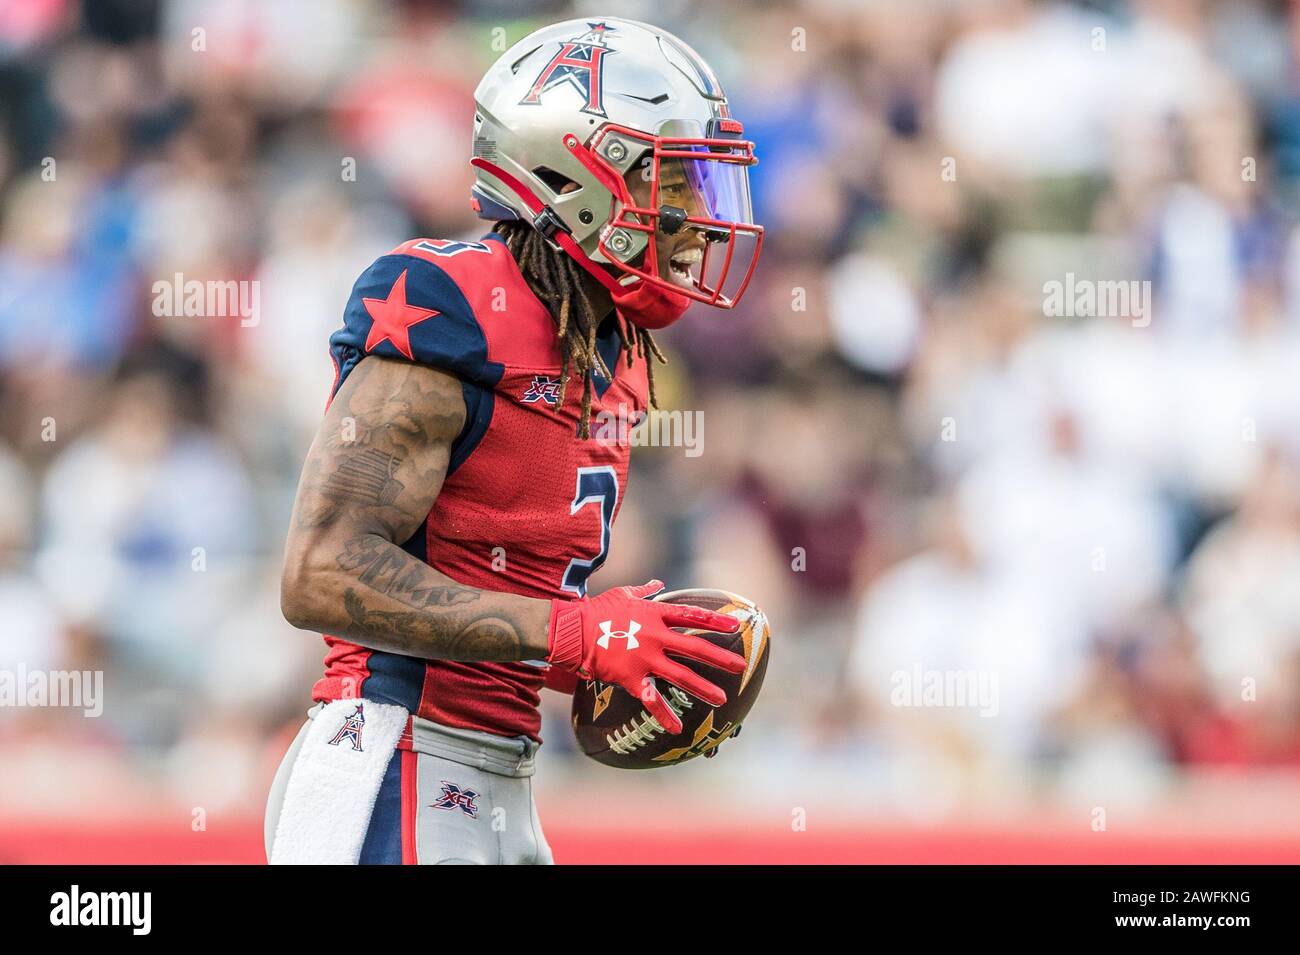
(527, 506)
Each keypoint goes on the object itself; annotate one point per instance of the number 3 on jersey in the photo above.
(599, 486)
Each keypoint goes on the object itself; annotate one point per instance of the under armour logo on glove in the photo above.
(577, 635)
(629, 634)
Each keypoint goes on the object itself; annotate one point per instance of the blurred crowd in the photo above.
(909, 459)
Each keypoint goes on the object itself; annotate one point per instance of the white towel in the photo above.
(335, 781)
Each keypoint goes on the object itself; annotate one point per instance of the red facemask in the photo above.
(710, 168)
(648, 301)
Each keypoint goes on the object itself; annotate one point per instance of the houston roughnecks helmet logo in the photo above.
(580, 63)
(351, 730)
(453, 797)
(606, 632)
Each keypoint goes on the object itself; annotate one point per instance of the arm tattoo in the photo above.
(366, 478)
(373, 434)
(370, 481)
(486, 637)
(389, 570)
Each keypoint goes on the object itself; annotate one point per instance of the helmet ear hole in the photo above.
(557, 182)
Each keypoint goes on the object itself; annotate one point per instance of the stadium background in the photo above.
(909, 462)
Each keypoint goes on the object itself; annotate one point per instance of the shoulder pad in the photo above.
(406, 305)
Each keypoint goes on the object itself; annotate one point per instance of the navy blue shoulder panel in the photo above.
(406, 307)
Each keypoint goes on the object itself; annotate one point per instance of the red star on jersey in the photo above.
(392, 318)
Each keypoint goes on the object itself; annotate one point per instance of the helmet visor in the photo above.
(718, 188)
(712, 187)
(697, 184)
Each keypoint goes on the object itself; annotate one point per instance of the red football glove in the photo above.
(622, 638)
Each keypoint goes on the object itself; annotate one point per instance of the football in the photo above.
(612, 727)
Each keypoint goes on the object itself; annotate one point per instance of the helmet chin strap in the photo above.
(645, 304)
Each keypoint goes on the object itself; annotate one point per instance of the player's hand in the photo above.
(623, 638)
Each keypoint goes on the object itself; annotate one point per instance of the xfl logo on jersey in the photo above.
(543, 388)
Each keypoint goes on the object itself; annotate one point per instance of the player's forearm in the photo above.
(371, 591)
(371, 477)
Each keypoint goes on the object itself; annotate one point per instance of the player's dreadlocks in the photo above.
(557, 280)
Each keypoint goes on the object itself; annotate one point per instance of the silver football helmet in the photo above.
(567, 112)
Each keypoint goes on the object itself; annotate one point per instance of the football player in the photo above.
(457, 498)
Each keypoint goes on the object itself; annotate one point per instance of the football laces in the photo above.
(644, 728)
